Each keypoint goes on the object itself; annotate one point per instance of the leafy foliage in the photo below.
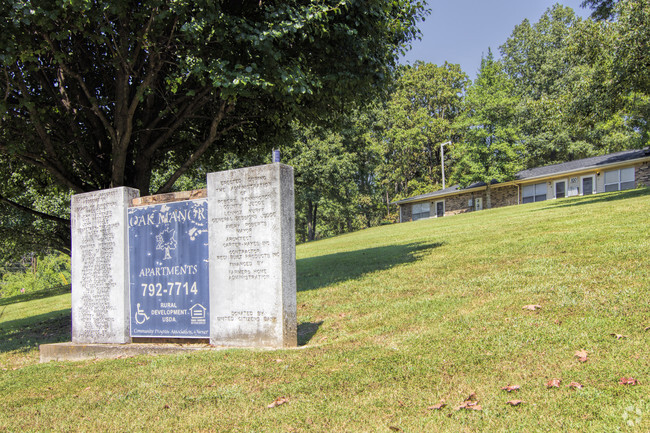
(334, 176)
(572, 105)
(490, 149)
(418, 117)
(602, 9)
(51, 271)
(101, 94)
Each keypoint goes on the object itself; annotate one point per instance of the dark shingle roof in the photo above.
(441, 192)
(580, 164)
(547, 170)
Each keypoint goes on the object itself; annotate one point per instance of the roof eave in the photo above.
(584, 169)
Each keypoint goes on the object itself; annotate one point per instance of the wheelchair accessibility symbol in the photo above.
(140, 316)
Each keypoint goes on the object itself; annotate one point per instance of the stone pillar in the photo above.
(100, 266)
(252, 257)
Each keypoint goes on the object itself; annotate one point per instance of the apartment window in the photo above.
(421, 210)
(532, 193)
(618, 180)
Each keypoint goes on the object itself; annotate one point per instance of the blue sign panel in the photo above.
(168, 255)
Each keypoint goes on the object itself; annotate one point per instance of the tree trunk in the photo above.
(312, 213)
(387, 205)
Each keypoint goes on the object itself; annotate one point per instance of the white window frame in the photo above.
(420, 213)
(619, 182)
(593, 184)
(535, 195)
(566, 188)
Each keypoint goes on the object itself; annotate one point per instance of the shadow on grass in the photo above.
(596, 198)
(24, 334)
(321, 271)
(306, 331)
(40, 294)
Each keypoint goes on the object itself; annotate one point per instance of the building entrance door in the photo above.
(440, 208)
(587, 185)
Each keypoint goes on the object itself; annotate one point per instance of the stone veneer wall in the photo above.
(642, 174)
(504, 196)
(457, 204)
(500, 196)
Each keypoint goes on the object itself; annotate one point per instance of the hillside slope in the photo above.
(393, 320)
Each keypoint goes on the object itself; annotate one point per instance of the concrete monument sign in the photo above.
(252, 257)
(182, 266)
(100, 279)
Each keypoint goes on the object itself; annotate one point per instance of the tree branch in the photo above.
(212, 136)
(91, 99)
(31, 211)
(182, 116)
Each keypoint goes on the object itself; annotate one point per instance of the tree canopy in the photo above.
(419, 115)
(490, 148)
(102, 94)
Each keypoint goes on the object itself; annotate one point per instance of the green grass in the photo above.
(392, 320)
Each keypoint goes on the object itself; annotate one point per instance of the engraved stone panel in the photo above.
(100, 286)
(252, 257)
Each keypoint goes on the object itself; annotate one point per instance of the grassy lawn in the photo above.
(392, 320)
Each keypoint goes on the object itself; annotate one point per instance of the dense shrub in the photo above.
(51, 271)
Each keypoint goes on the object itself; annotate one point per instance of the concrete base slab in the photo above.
(77, 352)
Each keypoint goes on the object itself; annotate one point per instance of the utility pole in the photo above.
(442, 159)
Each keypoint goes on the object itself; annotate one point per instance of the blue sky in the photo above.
(461, 31)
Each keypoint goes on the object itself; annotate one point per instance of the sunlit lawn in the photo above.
(392, 320)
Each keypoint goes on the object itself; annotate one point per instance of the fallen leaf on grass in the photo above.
(515, 402)
(278, 360)
(553, 383)
(581, 355)
(393, 428)
(437, 406)
(575, 385)
(531, 307)
(166, 406)
(618, 336)
(510, 388)
(647, 328)
(400, 402)
(277, 402)
(628, 381)
(469, 405)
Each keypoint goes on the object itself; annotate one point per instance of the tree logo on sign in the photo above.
(166, 241)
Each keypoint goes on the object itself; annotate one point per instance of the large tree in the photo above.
(490, 148)
(100, 94)
(571, 103)
(418, 117)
